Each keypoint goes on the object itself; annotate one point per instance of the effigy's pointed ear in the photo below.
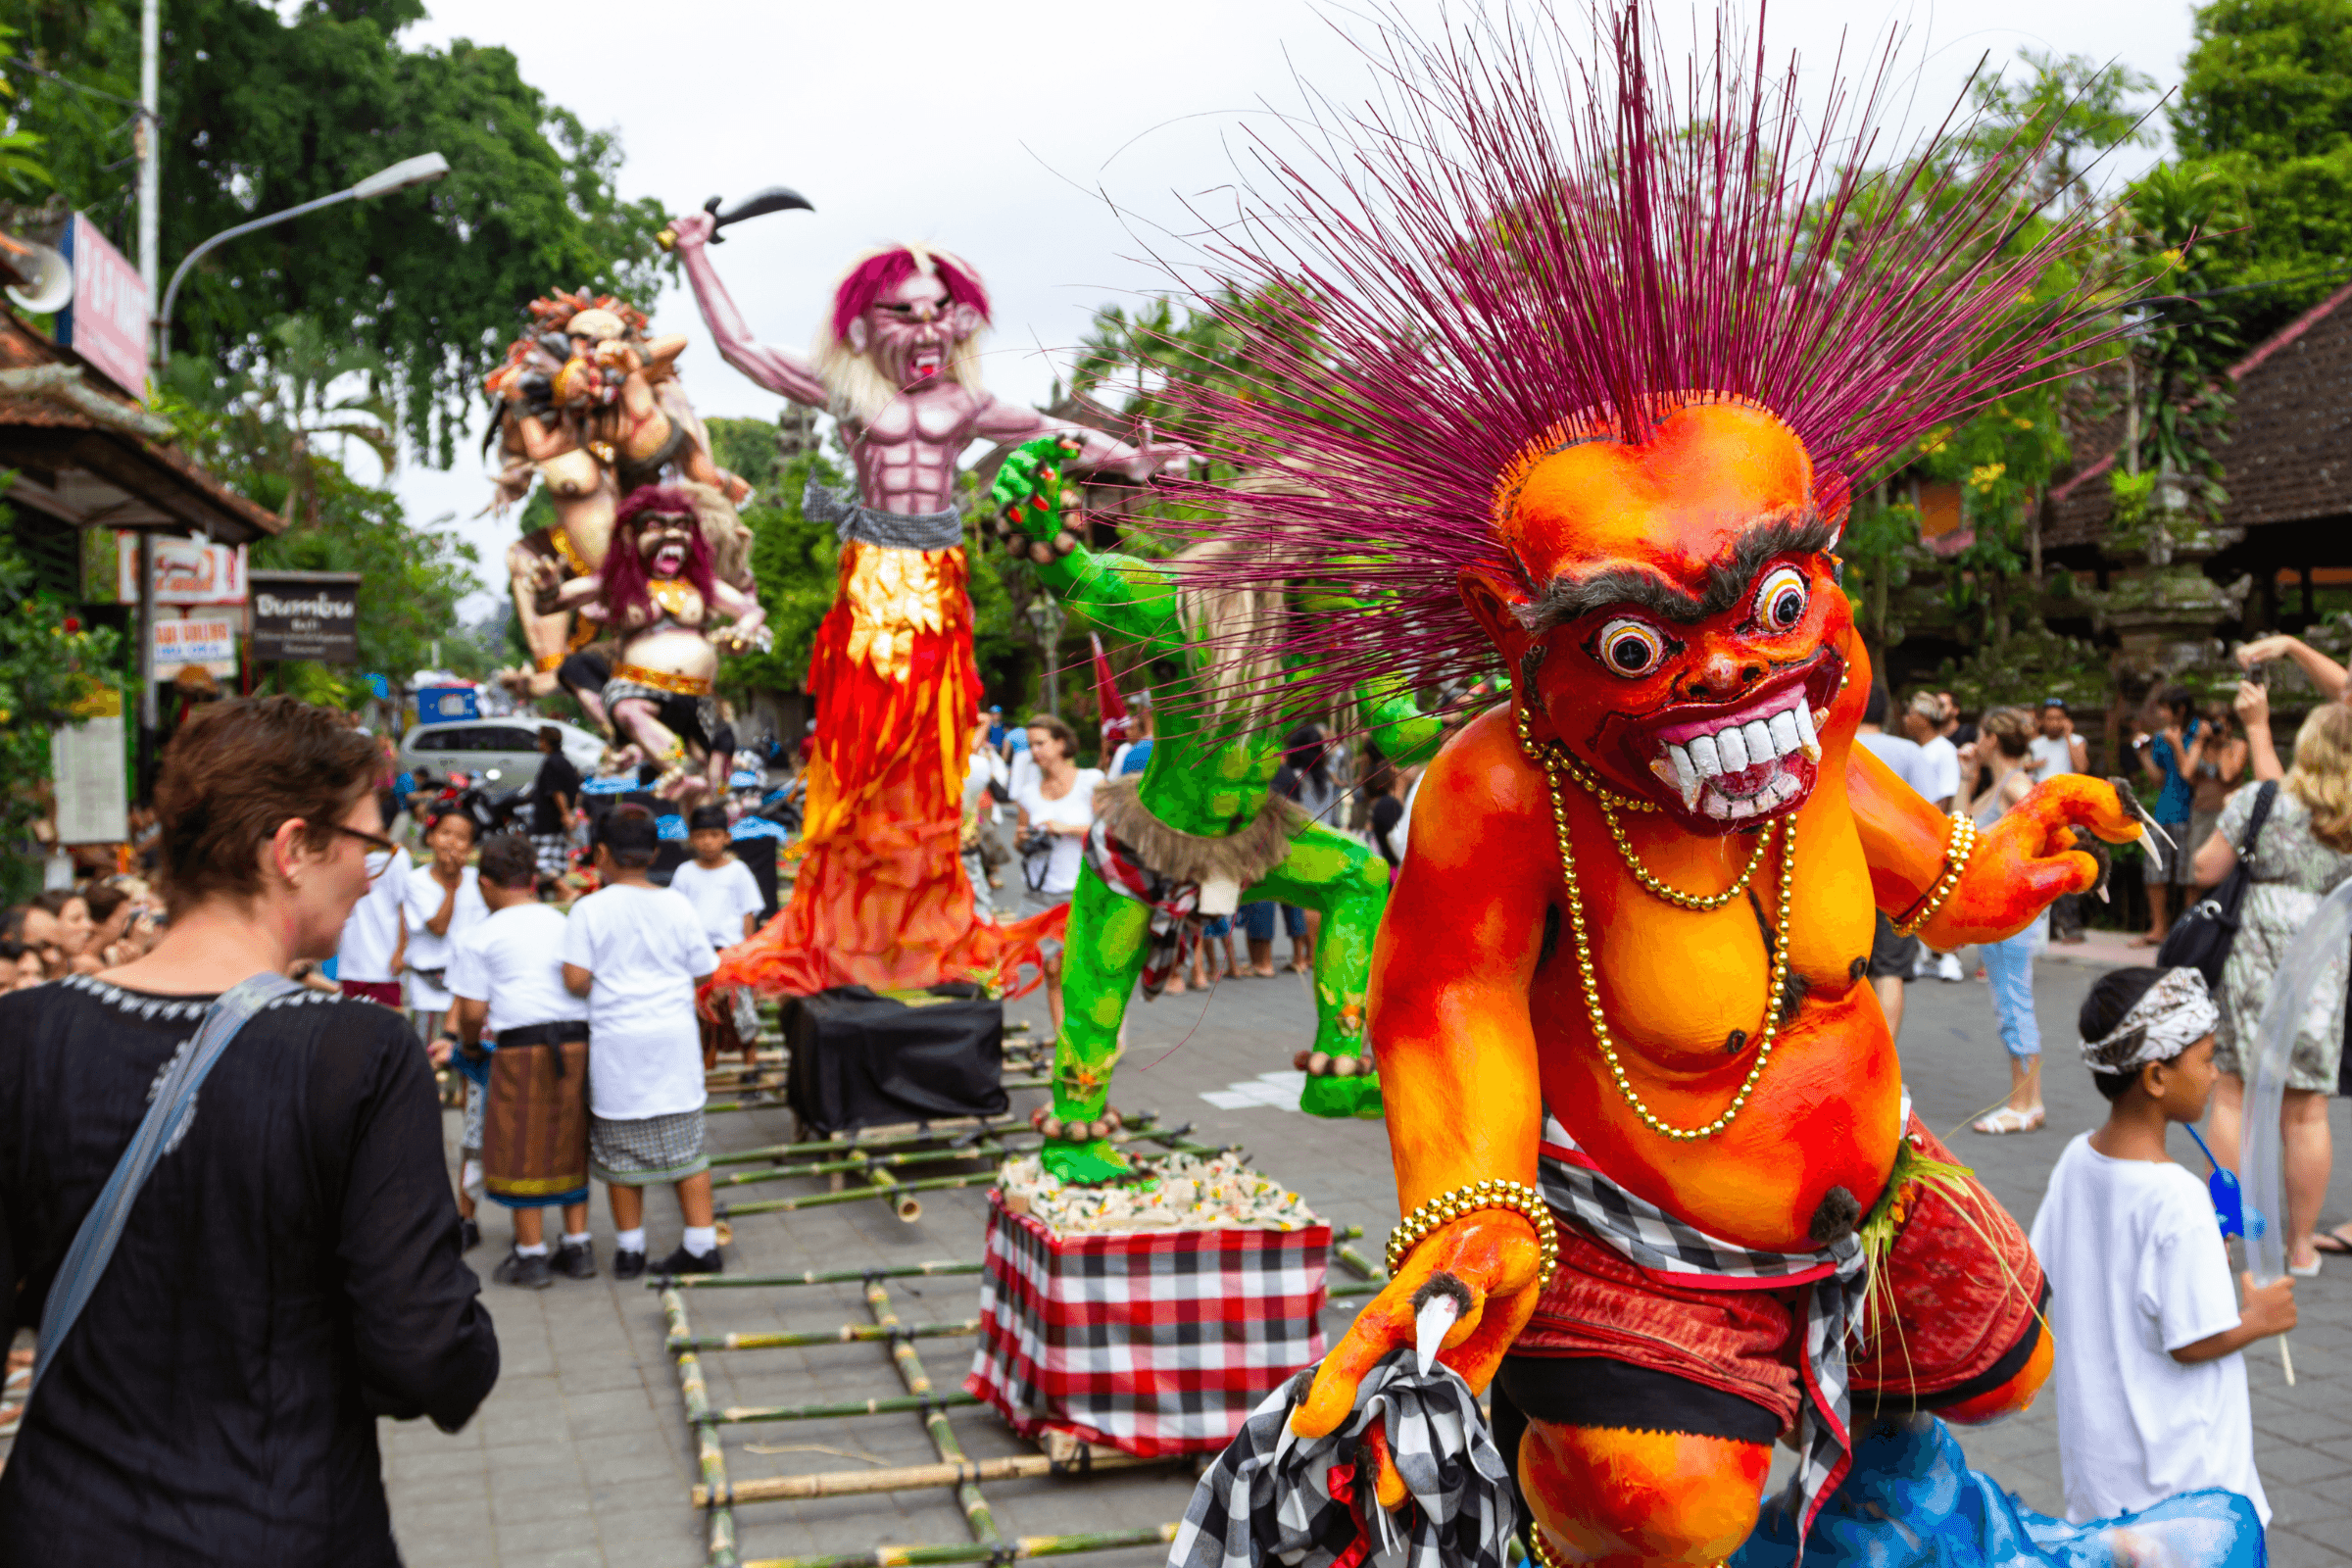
(1833, 498)
(1493, 601)
(859, 337)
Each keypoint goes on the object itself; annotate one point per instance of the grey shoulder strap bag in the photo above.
(173, 1102)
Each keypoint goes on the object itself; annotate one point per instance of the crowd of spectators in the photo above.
(102, 924)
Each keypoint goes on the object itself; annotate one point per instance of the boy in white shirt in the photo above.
(727, 898)
(375, 934)
(2151, 1385)
(635, 951)
(507, 974)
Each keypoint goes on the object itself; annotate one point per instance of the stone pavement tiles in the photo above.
(582, 1454)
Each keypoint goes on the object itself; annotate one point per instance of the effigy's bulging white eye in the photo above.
(1781, 603)
(1631, 647)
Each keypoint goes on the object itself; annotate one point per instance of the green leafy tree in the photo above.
(267, 106)
(51, 668)
(2265, 107)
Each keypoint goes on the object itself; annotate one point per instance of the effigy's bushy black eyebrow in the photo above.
(1565, 598)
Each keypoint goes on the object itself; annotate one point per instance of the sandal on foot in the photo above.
(2305, 1271)
(2331, 1242)
(2009, 1119)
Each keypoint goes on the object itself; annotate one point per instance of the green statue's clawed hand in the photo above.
(1026, 499)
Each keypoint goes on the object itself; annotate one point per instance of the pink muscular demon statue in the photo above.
(881, 898)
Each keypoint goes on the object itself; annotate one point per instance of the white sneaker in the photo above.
(1948, 968)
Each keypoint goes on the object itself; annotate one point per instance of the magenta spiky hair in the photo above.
(1511, 242)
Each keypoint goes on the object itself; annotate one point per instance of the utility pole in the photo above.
(151, 147)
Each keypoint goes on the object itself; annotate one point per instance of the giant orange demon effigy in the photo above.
(1586, 377)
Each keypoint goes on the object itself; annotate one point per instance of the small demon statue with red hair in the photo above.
(656, 594)
(881, 898)
(1581, 374)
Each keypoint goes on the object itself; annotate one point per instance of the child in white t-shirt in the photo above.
(721, 888)
(635, 951)
(727, 897)
(2151, 1385)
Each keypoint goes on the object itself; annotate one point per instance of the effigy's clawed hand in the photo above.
(1492, 1255)
(2037, 851)
(1026, 499)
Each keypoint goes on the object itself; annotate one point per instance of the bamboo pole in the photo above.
(884, 1185)
(785, 1206)
(710, 1459)
(986, 1149)
(847, 1334)
(716, 1105)
(960, 1473)
(858, 1159)
(836, 1276)
(1019, 1547)
(1365, 1267)
(841, 1146)
(976, 1516)
(827, 1412)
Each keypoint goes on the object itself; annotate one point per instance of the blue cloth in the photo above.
(1137, 755)
(1221, 926)
(757, 828)
(2009, 966)
(2172, 800)
(743, 778)
(1019, 739)
(609, 784)
(671, 828)
(1911, 1501)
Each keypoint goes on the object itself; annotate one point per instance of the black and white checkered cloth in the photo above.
(1269, 1499)
(1651, 1239)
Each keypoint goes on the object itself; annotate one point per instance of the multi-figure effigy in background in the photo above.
(880, 897)
(586, 405)
(1200, 831)
(657, 593)
(1589, 403)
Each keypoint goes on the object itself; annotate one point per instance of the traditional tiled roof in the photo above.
(58, 417)
(2288, 455)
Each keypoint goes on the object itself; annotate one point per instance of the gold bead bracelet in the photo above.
(1447, 1207)
(1957, 849)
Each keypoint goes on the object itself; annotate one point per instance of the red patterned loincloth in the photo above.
(1953, 1315)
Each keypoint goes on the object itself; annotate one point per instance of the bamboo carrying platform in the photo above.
(867, 1166)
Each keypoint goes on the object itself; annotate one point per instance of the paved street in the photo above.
(582, 1454)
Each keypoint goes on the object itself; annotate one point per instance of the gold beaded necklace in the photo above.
(1552, 759)
(1610, 803)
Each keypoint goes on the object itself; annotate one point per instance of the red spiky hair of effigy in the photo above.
(1509, 246)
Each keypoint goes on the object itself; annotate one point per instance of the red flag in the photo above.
(1115, 725)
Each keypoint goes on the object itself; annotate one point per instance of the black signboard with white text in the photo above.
(306, 614)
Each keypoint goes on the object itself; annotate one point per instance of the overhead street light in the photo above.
(417, 170)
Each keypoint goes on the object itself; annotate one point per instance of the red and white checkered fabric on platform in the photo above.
(1151, 1342)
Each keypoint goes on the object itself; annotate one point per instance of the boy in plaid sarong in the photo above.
(507, 979)
(635, 951)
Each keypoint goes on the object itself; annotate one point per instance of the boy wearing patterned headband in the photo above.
(2151, 1385)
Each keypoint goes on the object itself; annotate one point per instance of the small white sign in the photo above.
(85, 767)
(180, 643)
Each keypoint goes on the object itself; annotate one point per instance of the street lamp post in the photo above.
(408, 171)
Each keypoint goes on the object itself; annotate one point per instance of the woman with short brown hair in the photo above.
(290, 1270)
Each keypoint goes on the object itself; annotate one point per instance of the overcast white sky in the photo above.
(1007, 131)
